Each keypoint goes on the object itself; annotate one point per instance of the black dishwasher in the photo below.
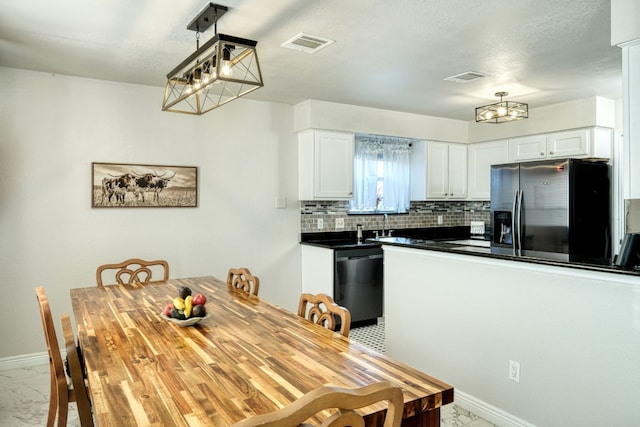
(358, 283)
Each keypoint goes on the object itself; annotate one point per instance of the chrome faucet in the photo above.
(385, 223)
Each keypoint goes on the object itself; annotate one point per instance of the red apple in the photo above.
(199, 299)
(167, 310)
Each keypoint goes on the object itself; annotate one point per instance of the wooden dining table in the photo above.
(248, 357)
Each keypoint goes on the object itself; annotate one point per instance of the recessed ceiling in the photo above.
(386, 55)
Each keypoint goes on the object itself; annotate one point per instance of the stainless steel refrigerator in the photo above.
(553, 209)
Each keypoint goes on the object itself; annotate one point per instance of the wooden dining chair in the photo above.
(322, 310)
(328, 397)
(62, 393)
(242, 280)
(134, 270)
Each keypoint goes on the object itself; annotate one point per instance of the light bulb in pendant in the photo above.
(226, 61)
(226, 69)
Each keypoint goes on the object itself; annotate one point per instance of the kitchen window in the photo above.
(382, 174)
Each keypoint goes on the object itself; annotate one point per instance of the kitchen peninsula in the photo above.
(572, 331)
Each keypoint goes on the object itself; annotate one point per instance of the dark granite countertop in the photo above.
(463, 247)
(348, 239)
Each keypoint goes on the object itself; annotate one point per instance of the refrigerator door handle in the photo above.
(514, 223)
(519, 224)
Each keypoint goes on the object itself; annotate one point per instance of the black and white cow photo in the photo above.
(136, 185)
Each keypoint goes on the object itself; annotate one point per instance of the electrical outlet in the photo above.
(339, 222)
(477, 227)
(514, 371)
(320, 224)
(439, 219)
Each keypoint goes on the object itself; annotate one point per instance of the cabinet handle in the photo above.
(550, 152)
(542, 154)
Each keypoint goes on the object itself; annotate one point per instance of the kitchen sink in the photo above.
(477, 249)
(470, 242)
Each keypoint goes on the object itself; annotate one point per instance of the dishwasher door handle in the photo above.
(355, 258)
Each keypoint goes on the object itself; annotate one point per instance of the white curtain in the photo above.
(367, 152)
(395, 154)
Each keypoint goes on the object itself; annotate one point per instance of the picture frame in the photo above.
(131, 185)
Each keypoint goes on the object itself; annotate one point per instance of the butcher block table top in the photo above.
(248, 357)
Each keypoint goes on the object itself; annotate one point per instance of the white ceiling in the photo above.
(387, 54)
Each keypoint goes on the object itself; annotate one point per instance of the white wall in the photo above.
(52, 127)
(576, 334)
(625, 15)
(586, 112)
(351, 118)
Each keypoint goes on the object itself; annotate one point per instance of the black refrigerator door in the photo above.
(590, 211)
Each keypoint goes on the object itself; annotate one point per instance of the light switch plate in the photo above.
(281, 202)
(339, 222)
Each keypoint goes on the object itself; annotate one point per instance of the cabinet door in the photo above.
(333, 165)
(437, 170)
(457, 174)
(317, 270)
(481, 156)
(569, 144)
(528, 148)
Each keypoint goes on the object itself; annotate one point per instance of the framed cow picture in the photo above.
(119, 185)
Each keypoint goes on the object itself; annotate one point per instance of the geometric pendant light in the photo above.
(503, 111)
(223, 69)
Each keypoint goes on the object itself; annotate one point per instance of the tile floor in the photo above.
(24, 398)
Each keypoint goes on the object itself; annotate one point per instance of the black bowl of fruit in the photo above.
(186, 309)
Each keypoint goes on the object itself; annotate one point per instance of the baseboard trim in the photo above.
(24, 361)
(488, 412)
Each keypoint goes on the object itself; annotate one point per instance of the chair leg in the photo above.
(63, 409)
(53, 400)
(63, 405)
(84, 412)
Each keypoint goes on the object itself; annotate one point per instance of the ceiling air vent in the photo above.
(465, 77)
(307, 43)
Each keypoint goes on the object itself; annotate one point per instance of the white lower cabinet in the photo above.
(317, 270)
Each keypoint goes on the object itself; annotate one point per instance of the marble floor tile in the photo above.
(24, 401)
(453, 415)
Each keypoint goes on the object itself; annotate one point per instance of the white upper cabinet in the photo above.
(588, 142)
(528, 148)
(325, 165)
(438, 171)
(481, 156)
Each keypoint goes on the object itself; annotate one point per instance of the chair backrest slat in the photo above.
(242, 280)
(322, 310)
(328, 397)
(76, 372)
(61, 393)
(134, 270)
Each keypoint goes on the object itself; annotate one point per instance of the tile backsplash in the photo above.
(421, 214)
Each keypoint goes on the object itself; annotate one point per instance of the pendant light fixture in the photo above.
(223, 69)
(503, 111)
